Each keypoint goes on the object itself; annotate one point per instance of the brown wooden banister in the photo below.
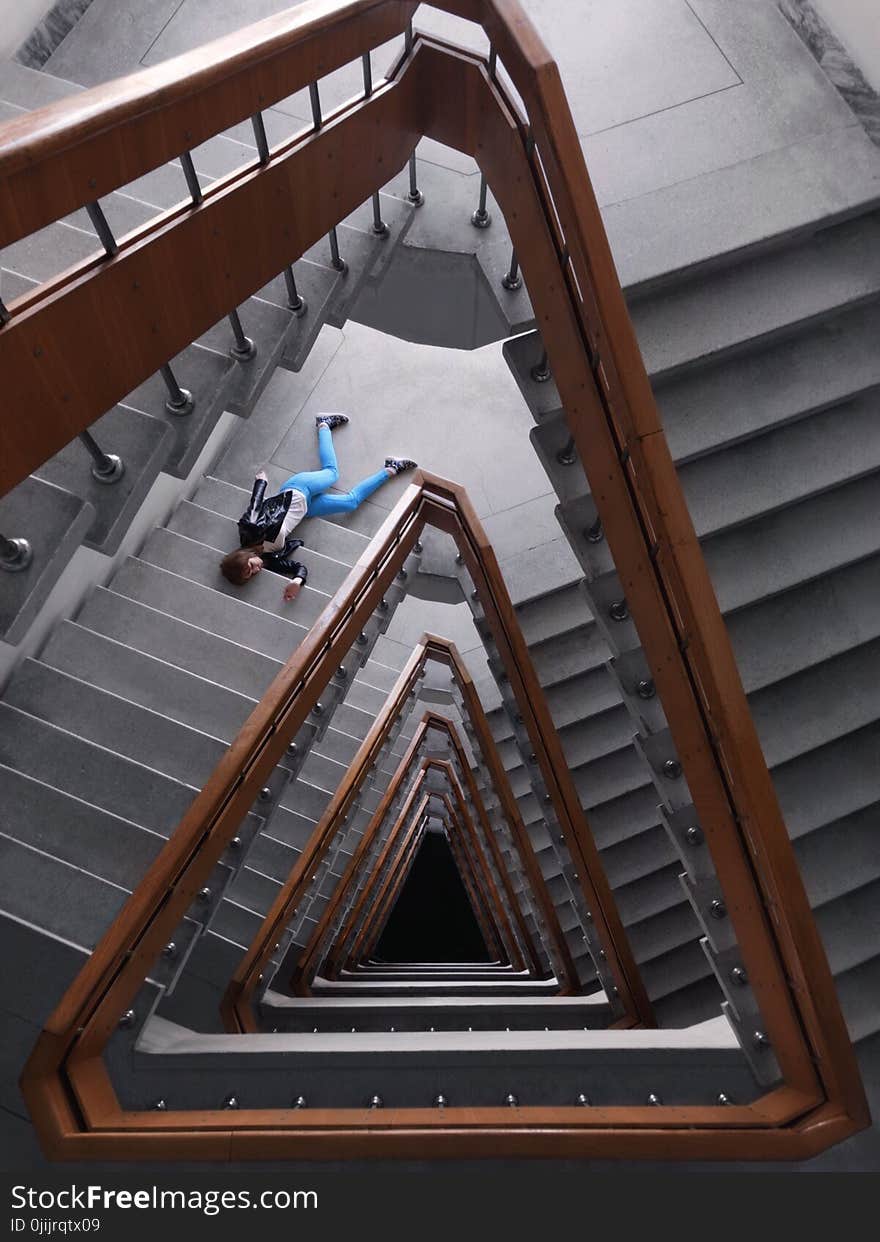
(535, 168)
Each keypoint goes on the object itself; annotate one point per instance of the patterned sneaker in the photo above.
(399, 464)
(331, 420)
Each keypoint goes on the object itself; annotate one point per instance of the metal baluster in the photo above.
(295, 300)
(540, 372)
(316, 105)
(260, 137)
(244, 348)
(380, 228)
(296, 303)
(314, 96)
(511, 279)
(481, 218)
(192, 180)
(180, 400)
(106, 467)
(101, 227)
(339, 264)
(567, 455)
(415, 196)
(4, 313)
(15, 554)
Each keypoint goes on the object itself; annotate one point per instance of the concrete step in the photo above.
(207, 375)
(142, 442)
(824, 364)
(87, 771)
(558, 612)
(122, 669)
(76, 833)
(181, 641)
(750, 479)
(60, 899)
(54, 522)
(762, 296)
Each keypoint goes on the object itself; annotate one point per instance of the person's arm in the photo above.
(257, 493)
(296, 584)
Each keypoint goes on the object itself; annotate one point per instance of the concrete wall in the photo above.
(856, 23)
(17, 20)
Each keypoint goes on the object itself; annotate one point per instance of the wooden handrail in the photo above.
(538, 177)
(67, 154)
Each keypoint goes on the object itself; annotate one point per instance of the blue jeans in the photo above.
(315, 483)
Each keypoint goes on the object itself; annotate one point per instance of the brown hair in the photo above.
(233, 567)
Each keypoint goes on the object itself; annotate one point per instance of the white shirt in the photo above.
(292, 519)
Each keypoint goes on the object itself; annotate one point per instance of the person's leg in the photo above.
(347, 502)
(313, 482)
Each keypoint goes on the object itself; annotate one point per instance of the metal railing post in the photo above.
(244, 348)
(380, 228)
(512, 279)
(192, 179)
(180, 400)
(481, 219)
(15, 554)
(4, 313)
(106, 467)
(260, 138)
(101, 227)
(540, 372)
(295, 300)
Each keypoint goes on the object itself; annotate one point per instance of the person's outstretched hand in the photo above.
(261, 474)
(292, 590)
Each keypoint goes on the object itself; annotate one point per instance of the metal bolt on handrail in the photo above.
(376, 1101)
(583, 1100)
(481, 219)
(180, 401)
(15, 554)
(511, 1100)
(192, 178)
(654, 1100)
(300, 1101)
(106, 467)
(101, 227)
(244, 348)
(567, 455)
(512, 279)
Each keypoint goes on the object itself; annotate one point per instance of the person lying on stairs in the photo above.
(265, 528)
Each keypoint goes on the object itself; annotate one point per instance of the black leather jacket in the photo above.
(263, 517)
